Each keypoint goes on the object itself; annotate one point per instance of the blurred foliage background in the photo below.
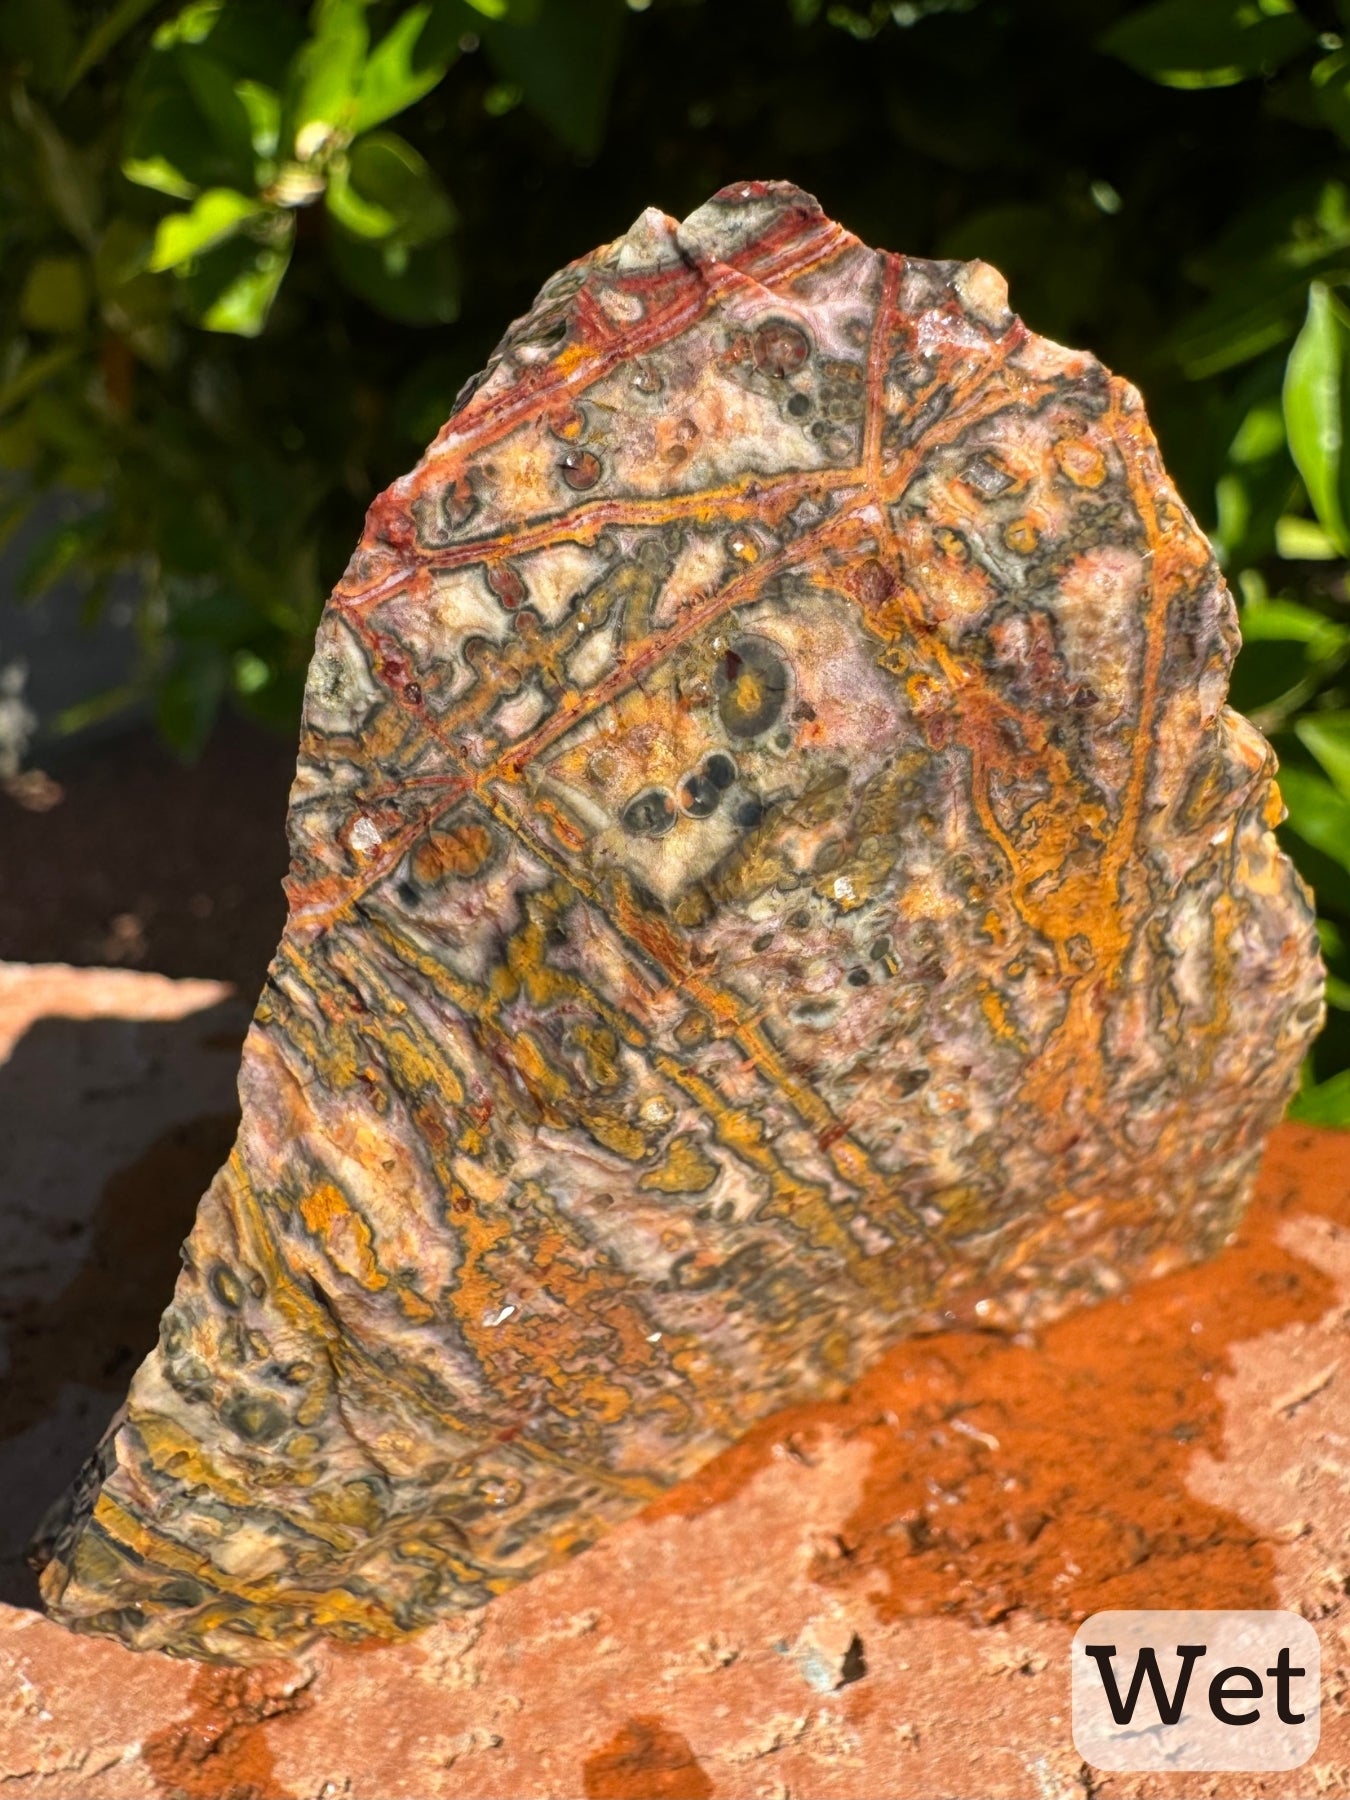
(250, 249)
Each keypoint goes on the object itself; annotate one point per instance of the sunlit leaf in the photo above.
(326, 76)
(1208, 43)
(1319, 814)
(171, 143)
(1303, 540)
(1269, 621)
(262, 106)
(1326, 1103)
(1317, 409)
(192, 24)
(398, 71)
(1256, 487)
(159, 174)
(384, 189)
(233, 287)
(1327, 735)
(242, 305)
(213, 217)
(1333, 955)
(1331, 93)
(364, 218)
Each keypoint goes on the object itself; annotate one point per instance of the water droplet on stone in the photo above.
(580, 469)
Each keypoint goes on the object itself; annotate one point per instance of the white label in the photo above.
(1157, 1691)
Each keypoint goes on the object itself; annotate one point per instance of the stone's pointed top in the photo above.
(740, 215)
(772, 871)
(723, 230)
(650, 243)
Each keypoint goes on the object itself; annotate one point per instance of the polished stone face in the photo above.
(772, 870)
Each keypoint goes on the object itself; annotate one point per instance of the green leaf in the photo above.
(262, 105)
(192, 24)
(96, 709)
(1259, 270)
(235, 287)
(55, 294)
(416, 285)
(1327, 1103)
(188, 701)
(385, 189)
(398, 72)
(221, 107)
(1286, 621)
(1208, 43)
(1260, 435)
(214, 216)
(159, 174)
(1303, 540)
(325, 76)
(39, 35)
(564, 63)
(1331, 93)
(1316, 409)
(1319, 815)
(1334, 955)
(1327, 735)
(109, 31)
(65, 174)
(34, 374)
(171, 142)
(1256, 486)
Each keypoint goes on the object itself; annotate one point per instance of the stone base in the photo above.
(874, 1597)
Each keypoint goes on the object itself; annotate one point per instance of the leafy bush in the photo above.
(251, 249)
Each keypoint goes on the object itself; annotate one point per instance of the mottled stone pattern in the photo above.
(773, 871)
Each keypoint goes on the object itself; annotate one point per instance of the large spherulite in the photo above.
(751, 683)
(699, 795)
(649, 814)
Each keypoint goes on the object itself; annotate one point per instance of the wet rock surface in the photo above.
(667, 1661)
(772, 872)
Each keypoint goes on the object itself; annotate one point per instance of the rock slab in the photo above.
(772, 871)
